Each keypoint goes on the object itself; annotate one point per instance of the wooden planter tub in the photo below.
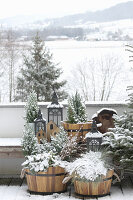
(77, 129)
(94, 188)
(46, 182)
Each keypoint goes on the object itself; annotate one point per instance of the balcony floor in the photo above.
(16, 189)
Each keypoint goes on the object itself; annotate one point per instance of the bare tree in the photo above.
(11, 60)
(129, 48)
(2, 65)
(95, 79)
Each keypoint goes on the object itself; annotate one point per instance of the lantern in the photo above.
(40, 127)
(94, 138)
(55, 111)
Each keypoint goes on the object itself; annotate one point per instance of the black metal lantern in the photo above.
(55, 110)
(40, 126)
(94, 138)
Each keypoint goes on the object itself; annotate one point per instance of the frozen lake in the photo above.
(71, 53)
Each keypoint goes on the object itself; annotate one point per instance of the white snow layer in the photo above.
(94, 135)
(20, 193)
(89, 166)
(55, 106)
(99, 111)
(10, 141)
(109, 109)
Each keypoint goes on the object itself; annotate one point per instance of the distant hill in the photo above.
(118, 12)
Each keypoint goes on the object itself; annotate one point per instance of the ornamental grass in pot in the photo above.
(76, 123)
(91, 175)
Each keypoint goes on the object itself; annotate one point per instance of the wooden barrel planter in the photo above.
(77, 129)
(46, 182)
(94, 188)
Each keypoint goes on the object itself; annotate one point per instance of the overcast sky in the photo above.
(52, 8)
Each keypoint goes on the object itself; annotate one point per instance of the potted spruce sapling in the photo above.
(44, 168)
(76, 123)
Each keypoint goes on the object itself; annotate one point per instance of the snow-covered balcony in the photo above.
(12, 124)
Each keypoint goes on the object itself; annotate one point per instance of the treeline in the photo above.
(76, 33)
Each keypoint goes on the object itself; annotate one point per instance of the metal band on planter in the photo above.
(60, 174)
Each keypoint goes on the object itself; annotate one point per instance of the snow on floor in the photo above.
(10, 141)
(20, 193)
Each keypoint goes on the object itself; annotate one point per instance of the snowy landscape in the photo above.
(79, 42)
(70, 54)
(66, 100)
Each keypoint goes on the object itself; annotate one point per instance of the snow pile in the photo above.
(89, 167)
(94, 135)
(10, 142)
(55, 106)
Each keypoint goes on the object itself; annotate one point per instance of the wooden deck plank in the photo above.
(16, 182)
(5, 181)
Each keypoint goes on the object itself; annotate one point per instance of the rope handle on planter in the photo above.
(66, 179)
(22, 173)
(117, 179)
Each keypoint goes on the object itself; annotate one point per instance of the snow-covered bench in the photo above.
(10, 148)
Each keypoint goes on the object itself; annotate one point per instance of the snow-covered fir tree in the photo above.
(59, 141)
(29, 141)
(31, 107)
(39, 73)
(76, 112)
(119, 141)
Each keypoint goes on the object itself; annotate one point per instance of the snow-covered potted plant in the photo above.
(44, 166)
(76, 123)
(91, 174)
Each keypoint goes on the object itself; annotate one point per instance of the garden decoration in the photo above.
(55, 111)
(40, 127)
(52, 130)
(76, 123)
(105, 117)
(94, 138)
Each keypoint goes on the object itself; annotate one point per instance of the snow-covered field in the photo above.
(72, 53)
